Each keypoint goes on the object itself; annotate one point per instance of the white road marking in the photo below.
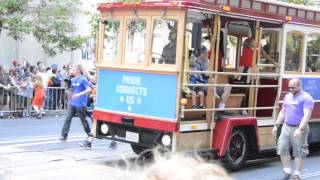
(314, 174)
(39, 138)
(41, 143)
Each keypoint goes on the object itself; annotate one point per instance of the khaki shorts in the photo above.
(286, 141)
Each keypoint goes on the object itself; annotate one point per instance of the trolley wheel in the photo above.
(145, 155)
(138, 149)
(237, 151)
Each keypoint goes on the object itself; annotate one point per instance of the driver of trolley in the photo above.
(168, 55)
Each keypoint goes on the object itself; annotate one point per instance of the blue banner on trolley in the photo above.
(311, 86)
(137, 93)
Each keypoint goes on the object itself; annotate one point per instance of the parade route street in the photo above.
(30, 150)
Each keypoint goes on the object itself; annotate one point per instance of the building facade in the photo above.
(32, 51)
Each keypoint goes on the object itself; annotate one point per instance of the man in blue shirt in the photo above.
(78, 104)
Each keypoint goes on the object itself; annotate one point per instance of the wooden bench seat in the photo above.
(234, 101)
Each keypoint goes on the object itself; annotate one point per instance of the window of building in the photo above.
(111, 40)
(313, 53)
(294, 51)
(164, 41)
(135, 40)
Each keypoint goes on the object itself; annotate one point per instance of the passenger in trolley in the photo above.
(169, 51)
(246, 65)
(201, 64)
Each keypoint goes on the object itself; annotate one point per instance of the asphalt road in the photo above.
(30, 149)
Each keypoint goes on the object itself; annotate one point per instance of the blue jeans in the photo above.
(72, 111)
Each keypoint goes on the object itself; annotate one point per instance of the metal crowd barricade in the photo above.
(56, 101)
(12, 104)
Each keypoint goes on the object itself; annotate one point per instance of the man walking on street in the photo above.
(295, 114)
(92, 78)
(78, 104)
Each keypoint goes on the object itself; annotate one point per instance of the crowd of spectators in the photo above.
(17, 84)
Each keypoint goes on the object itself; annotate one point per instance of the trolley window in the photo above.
(135, 40)
(313, 53)
(111, 40)
(164, 41)
(269, 53)
(231, 62)
(294, 51)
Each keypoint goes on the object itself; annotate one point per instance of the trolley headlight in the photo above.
(104, 129)
(166, 140)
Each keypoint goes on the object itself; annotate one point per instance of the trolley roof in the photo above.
(267, 10)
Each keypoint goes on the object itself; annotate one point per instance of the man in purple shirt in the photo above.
(295, 114)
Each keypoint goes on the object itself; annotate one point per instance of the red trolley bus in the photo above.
(146, 50)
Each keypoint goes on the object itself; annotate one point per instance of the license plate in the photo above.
(132, 137)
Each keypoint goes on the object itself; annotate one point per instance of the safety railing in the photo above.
(14, 102)
(234, 73)
(56, 100)
(214, 84)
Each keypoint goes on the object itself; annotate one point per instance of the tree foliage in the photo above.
(94, 25)
(313, 52)
(49, 21)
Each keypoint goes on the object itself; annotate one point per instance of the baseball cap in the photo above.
(54, 66)
(14, 62)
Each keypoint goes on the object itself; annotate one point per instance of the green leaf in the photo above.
(49, 22)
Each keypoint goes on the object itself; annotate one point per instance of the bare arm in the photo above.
(81, 93)
(303, 123)
(90, 77)
(13, 82)
(306, 118)
(280, 118)
(24, 84)
(266, 55)
(3, 86)
(85, 92)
